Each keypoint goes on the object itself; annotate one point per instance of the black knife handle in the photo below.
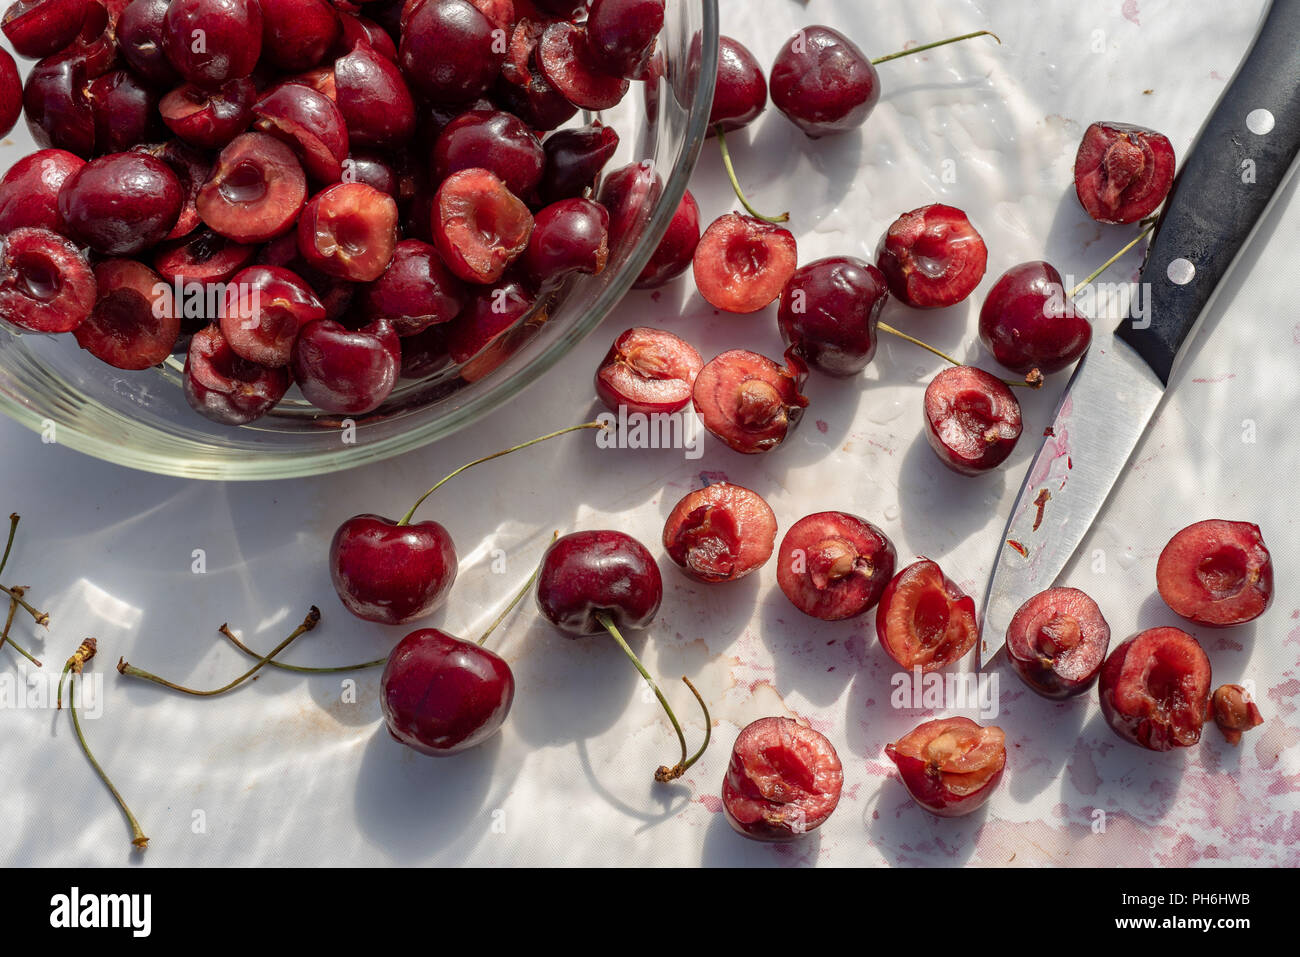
(1222, 191)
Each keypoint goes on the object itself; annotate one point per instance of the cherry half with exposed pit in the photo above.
(950, 766)
(924, 620)
(742, 263)
(1234, 712)
(720, 533)
(748, 401)
(783, 781)
(833, 565)
(1155, 689)
(972, 419)
(595, 582)
(46, 283)
(1216, 573)
(1122, 172)
(932, 257)
(1057, 642)
(648, 371)
(829, 313)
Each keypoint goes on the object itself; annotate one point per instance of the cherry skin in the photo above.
(621, 33)
(593, 573)
(829, 312)
(343, 371)
(29, 191)
(11, 93)
(823, 82)
(391, 573)
(442, 695)
(676, 250)
(1027, 324)
(741, 91)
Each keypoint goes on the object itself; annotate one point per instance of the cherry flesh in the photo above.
(523, 89)
(134, 324)
(741, 263)
(1057, 642)
(209, 118)
(932, 257)
(442, 695)
(748, 401)
(648, 371)
(416, 290)
(972, 419)
(221, 386)
(573, 159)
(349, 231)
(202, 257)
(829, 313)
(924, 620)
(46, 284)
(621, 34)
(29, 191)
(346, 372)
(741, 91)
(720, 533)
(567, 64)
(121, 204)
(1234, 712)
(310, 123)
(1216, 573)
(492, 140)
(480, 227)
(392, 573)
(231, 31)
(1122, 172)
(1026, 323)
(783, 781)
(950, 766)
(256, 191)
(823, 82)
(1155, 689)
(833, 565)
(263, 310)
(676, 250)
(570, 236)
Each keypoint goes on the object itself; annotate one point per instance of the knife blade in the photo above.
(1243, 154)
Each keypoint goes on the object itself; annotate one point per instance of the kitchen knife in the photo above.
(1241, 157)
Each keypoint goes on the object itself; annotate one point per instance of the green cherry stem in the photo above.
(936, 43)
(302, 669)
(735, 183)
(308, 623)
(406, 519)
(1034, 380)
(664, 773)
(13, 527)
(1108, 263)
(85, 651)
(519, 596)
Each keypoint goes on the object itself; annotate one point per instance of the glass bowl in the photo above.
(141, 419)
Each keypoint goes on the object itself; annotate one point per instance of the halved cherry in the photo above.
(972, 419)
(1057, 642)
(491, 312)
(349, 231)
(748, 401)
(134, 324)
(720, 533)
(262, 311)
(480, 227)
(1155, 689)
(784, 780)
(209, 119)
(1216, 573)
(1122, 172)
(567, 65)
(833, 565)
(648, 371)
(742, 263)
(932, 256)
(522, 89)
(373, 99)
(202, 257)
(221, 386)
(924, 620)
(256, 190)
(46, 284)
(310, 123)
(39, 28)
(950, 766)
(1234, 712)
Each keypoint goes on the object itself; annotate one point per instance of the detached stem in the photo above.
(936, 43)
(4, 635)
(13, 527)
(1108, 263)
(519, 596)
(1034, 380)
(225, 630)
(308, 623)
(735, 183)
(83, 654)
(406, 519)
(16, 594)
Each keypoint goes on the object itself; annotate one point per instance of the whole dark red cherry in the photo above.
(823, 82)
(121, 204)
(589, 574)
(125, 111)
(574, 159)
(676, 250)
(389, 572)
(57, 106)
(492, 140)
(11, 93)
(621, 34)
(1027, 324)
(571, 236)
(442, 695)
(343, 371)
(40, 28)
(230, 32)
(449, 51)
(829, 312)
(297, 34)
(741, 91)
(140, 38)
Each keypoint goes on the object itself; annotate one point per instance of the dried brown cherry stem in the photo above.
(9, 543)
(85, 651)
(519, 596)
(308, 623)
(937, 43)
(1032, 380)
(735, 183)
(4, 635)
(16, 594)
(406, 519)
(664, 773)
(1110, 262)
